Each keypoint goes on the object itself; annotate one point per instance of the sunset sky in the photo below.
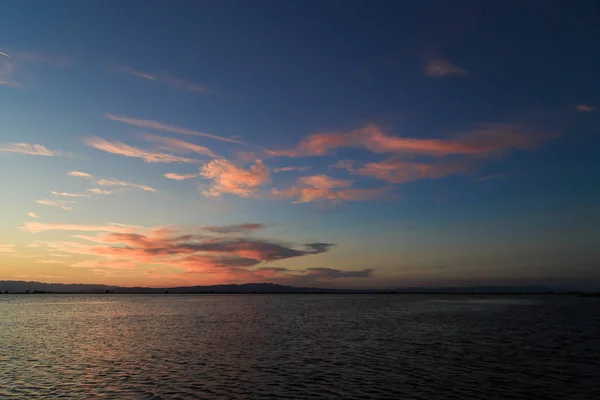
(313, 143)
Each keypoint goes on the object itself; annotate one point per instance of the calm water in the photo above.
(299, 347)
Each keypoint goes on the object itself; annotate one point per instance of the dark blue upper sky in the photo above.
(469, 131)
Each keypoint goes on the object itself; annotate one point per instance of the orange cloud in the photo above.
(177, 144)
(130, 151)
(35, 227)
(80, 174)
(229, 178)
(488, 140)
(143, 123)
(30, 149)
(179, 177)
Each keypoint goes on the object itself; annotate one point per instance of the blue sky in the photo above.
(432, 143)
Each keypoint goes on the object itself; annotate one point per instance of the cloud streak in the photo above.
(143, 123)
(109, 182)
(488, 140)
(29, 149)
(179, 145)
(166, 79)
(123, 149)
(63, 204)
(35, 227)
(179, 177)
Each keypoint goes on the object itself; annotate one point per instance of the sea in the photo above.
(290, 346)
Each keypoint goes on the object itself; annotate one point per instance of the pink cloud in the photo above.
(32, 215)
(324, 182)
(440, 67)
(179, 177)
(130, 151)
(179, 145)
(143, 123)
(228, 178)
(109, 182)
(63, 204)
(134, 72)
(287, 169)
(29, 149)
(488, 140)
(585, 108)
(322, 187)
(400, 171)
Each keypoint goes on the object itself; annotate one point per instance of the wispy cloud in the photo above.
(134, 72)
(179, 145)
(63, 204)
(400, 171)
(226, 177)
(166, 79)
(323, 188)
(35, 227)
(179, 177)
(12, 65)
(130, 151)
(487, 140)
(30, 149)
(143, 123)
(109, 182)
(7, 248)
(99, 191)
(440, 67)
(32, 215)
(490, 177)
(585, 108)
(287, 169)
(240, 228)
(80, 174)
(64, 194)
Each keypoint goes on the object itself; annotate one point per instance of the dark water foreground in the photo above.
(299, 347)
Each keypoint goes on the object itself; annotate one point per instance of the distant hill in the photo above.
(22, 287)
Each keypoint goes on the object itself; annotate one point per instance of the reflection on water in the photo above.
(298, 347)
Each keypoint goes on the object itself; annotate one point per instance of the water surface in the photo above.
(299, 347)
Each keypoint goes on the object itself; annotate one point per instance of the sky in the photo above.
(334, 144)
